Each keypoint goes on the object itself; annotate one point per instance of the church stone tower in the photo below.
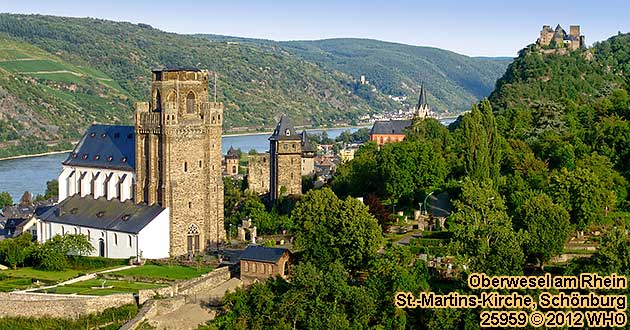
(178, 158)
(285, 153)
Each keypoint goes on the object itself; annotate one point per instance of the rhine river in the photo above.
(30, 174)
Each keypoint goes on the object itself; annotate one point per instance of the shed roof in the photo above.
(264, 254)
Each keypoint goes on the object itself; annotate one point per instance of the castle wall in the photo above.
(61, 306)
(258, 174)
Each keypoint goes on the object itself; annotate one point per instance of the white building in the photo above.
(116, 229)
(96, 199)
(102, 164)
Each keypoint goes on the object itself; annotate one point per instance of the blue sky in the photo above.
(476, 28)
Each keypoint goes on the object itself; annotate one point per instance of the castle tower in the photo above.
(178, 158)
(308, 155)
(422, 108)
(285, 153)
(231, 162)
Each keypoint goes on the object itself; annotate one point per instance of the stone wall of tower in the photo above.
(288, 163)
(178, 157)
(258, 174)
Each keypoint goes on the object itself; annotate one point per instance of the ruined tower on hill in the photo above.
(178, 158)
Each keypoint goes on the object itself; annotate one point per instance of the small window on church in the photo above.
(286, 146)
(185, 166)
(190, 205)
(89, 237)
(130, 241)
(199, 164)
(190, 102)
(115, 239)
(287, 132)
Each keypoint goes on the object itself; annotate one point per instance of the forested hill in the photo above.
(59, 74)
(453, 81)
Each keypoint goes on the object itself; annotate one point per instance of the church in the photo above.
(151, 190)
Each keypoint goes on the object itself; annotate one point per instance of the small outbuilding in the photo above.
(259, 263)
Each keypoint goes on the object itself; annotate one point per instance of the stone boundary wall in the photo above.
(192, 286)
(154, 308)
(61, 306)
(205, 282)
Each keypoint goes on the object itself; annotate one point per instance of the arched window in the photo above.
(234, 171)
(130, 241)
(115, 239)
(88, 235)
(193, 239)
(190, 102)
(63, 232)
(185, 166)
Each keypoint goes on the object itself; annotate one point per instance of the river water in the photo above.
(30, 174)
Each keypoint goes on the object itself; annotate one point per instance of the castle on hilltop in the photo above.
(559, 38)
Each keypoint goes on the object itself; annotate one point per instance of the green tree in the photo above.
(482, 143)
(546, 227)
(582, 194)
(613, 254)
(483, 232)
(5, 199)
(14, 251)
(55, 253)
(330, 229)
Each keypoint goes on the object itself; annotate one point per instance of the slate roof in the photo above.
(105, 146)
(284, 130)
(390, 127)
(422, 100)
(232, 153)
(101, 213)
(306, 143)
(261, 253)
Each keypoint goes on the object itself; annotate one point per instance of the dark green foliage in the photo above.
(546, 227)
(14, 252)
(483, 231)
(5, 199)
(330, 229)
(56, 252)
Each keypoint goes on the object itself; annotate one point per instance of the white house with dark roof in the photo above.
(116, 229)
(96, 189)
(101, 165)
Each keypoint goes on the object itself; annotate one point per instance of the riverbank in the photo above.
(36, 155)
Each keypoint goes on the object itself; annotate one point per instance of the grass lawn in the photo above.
(86, 287)
(43, 275)
(164, 272)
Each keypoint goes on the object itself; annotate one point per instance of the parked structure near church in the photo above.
(169, 164)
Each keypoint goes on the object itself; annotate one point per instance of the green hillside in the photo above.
(60, 74)
(43, 99)
(453, 81)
